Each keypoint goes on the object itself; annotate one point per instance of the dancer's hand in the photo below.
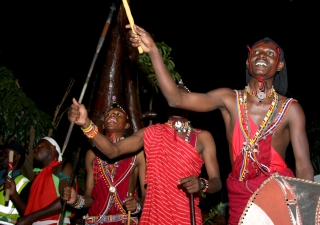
(130, 203)
(10, 184)
(141, 38)
(78, 114)
(191, 184)
(69, 195)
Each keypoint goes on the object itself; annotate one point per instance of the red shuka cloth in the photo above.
(43, 192)
(169, 158)
(239, 192)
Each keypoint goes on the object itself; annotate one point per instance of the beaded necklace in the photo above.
(261, 94)
(181, 125)
(112, 168)
(250, 148)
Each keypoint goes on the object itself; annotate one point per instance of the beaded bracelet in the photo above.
(79, 203)
(138, 208)
(90, 131)
(206, 186)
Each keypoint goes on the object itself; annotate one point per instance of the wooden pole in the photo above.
(131, 21)
(193, 218)
(129, 213)
(10, 166)
(101, 40)
(71, 181)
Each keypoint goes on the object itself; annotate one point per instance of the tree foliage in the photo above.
(147, 69)
(18, 113)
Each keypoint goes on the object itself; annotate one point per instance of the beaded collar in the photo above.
(111, 169)
(261, 94)
(250, 147)
(112, 138)
(181, 125)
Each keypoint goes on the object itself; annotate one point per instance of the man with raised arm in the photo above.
(175, 153)
(260, 120)
(109, 182)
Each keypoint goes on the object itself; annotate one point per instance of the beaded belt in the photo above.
(108, 219)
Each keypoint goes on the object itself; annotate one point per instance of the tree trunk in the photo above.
(131, 87)
(119, 75)
(110, 80)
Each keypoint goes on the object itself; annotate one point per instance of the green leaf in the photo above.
(146, 68)
(18, 112)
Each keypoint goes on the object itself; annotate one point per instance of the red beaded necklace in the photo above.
(112, 168)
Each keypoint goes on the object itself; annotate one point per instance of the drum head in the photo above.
(283, 200)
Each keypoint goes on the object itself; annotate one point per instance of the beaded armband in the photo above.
(205, 184)
(91, 131)
(79, 203)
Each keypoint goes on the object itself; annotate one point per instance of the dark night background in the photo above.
(47, 43)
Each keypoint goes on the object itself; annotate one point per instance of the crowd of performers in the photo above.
(153, 175)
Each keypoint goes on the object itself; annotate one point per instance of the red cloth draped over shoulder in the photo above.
(169, 158)
(43, 192)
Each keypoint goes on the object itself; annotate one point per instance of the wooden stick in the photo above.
(71, 181)
(193, 217)
(129, 213)
(10, 166)
(131, 21)
(101, 40)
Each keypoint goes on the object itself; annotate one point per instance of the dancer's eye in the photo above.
(271, 53)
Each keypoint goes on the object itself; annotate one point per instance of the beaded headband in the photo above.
(280, 81)
(115, 105)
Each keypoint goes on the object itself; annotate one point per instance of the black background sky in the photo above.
(47, 43)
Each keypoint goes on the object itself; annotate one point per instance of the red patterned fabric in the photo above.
(43, 192)
(239, 192)
(169, 158)
(104, 203)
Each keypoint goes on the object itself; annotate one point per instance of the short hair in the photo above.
(16, 146)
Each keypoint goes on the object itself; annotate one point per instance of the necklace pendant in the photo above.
(178, 124)
(261, 95)
(112, 189)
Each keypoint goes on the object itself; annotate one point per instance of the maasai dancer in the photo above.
(260, 121)
(175, 153)
(20, 184)
(109, 182)
(44, 203)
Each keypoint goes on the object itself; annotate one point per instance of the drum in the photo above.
(283, 200)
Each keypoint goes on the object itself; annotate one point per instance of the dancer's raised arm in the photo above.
(79, 115)
(200, 102)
